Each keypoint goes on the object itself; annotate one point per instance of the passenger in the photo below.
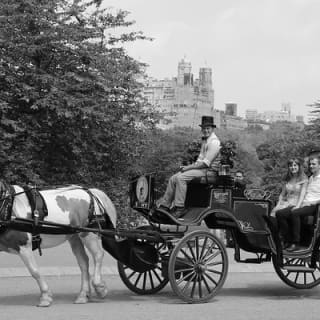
(307, 207)
(207, 164)
(239, 184)
(293, 191)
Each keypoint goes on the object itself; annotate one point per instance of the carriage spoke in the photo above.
(156, 275)
(191, 251)
(199, 285)
(193, 288)
(214, 271)
(212, 280)
(188, 257)
(203, 248)
(212, 256)
(138, 279)
(186, 276)
(183, 270)
(151, 280)
(206, 284)
(186, 286)
(144, 280)
(209, 250)
(214, 263)
(131, 274)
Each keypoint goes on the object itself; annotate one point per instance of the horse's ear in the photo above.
(3, 188)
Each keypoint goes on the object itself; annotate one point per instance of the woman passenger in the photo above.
(291, 197)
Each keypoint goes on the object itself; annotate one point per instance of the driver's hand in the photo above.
(183, 168)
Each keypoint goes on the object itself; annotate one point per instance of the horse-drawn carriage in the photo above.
(196, 262)
(180, 251)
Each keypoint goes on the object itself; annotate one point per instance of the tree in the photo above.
(71, 105)
(284, 141)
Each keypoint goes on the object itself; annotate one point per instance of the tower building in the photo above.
(182, 99)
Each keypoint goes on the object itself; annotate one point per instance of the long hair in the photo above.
(301, 175)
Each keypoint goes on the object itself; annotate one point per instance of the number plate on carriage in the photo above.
(220, 198)
(142, 192)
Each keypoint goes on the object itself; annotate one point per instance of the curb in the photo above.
(70, 271)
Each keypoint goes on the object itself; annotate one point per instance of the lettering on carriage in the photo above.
(245, 225)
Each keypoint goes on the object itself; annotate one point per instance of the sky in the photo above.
(262, 52)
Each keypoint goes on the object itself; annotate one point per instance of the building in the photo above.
(227, 121)
(252, 115)
(270, 116)
(231, 109)
(182, 99)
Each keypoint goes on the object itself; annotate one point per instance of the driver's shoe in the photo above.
(178, 212)
(163, 208)
(293, 247)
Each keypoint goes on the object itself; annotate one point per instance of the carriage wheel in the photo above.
(198, 267)
(147, 282)
(298, 279)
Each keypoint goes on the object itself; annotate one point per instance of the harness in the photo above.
(39, 209)
(38, 212)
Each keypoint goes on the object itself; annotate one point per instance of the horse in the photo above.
(73, 206)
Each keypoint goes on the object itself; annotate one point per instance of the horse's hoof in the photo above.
(45, 302)
(100, 289)
(82, 299)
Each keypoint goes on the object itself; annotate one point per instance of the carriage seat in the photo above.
(215, 180)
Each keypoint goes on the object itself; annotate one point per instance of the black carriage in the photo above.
(194, 260)
(185, 251)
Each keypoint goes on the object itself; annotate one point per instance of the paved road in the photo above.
(60, 261)
(244, 296)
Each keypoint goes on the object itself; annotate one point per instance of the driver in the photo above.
(207, 164)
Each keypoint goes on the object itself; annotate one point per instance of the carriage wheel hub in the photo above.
(200, 268)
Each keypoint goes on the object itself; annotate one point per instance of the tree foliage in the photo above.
(284, 141)
(70, 100)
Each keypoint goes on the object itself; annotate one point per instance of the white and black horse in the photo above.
(72, 206)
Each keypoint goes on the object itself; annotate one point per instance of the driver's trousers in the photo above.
(175, 194)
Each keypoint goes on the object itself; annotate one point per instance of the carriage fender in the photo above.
(219, 213)
(107, 204)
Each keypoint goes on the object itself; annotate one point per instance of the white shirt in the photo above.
(313, 191)
(209, 150)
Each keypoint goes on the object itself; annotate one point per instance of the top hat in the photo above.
(207, 121)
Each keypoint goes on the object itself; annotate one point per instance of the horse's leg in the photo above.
(83, 262)
(93, 243)
(28, 258)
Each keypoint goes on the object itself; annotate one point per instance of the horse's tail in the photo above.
(101, 199)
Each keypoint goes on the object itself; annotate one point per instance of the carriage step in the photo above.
(298, 269)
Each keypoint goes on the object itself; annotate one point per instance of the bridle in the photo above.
(7, 195)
